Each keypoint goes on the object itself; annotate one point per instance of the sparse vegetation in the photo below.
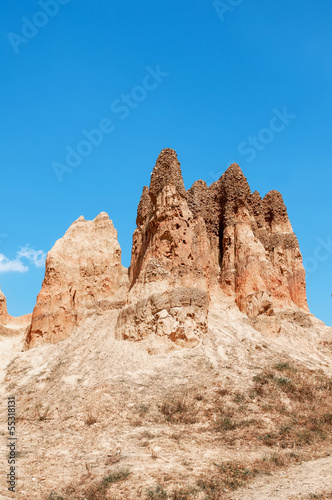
(183, 493)
(178, 410)
(90, 418)
(323, 496)
(285, 411)
(96, 491)
(282, 366)
(42, 413)
(157, 493)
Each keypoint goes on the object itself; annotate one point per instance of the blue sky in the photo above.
(205, 79)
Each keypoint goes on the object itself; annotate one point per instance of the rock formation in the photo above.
(3, 309)
(188, 247)
(255, 252)
(169, 272)
(83, 275)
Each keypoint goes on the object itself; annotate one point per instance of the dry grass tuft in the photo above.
(42, 413)
(96, 491)
(178, 410)
(90, 418)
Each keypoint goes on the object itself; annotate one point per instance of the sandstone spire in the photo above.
(254, 252)
(167, 172)
(187, 247)
(169, 272)
(83, 275)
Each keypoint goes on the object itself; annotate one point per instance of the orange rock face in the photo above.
(187, 247)
(168, 296)
(83, 276)
(255, 252)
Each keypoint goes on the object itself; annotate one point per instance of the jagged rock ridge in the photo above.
(255, 252)
(187, 247)
(169, 271)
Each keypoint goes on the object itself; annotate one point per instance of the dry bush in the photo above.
(96, 491)
(226, 476)
(179, 493)
(90, 418)
(157, 493)
(183, 493)
(42, 413)
(178, 410)
(286, 405)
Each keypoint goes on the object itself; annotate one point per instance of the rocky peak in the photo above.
(187, 247)
(83, 276)
(234, 193)
(276, 215)
(167, 172)
(168, 299)
(254, 252)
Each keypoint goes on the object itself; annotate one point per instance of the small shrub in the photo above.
(147, 435)
(285, 429)
(222, 392)
(269, 438)
(178, 411)
(327, 418)
(115, 477)
(90, 418)
(98, 491)
(199, 397)
(229, 475)
(183, 493)
(143, 409)
(238, 398)
(276, 459)
(284, 366)
(157, 493)
(43, 413)
(225, 424)
(282, 381)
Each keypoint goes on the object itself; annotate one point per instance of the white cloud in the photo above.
(8, 266)
(34, 257)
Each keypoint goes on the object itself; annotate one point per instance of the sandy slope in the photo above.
(122, 386)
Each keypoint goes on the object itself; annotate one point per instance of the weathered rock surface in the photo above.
(187, 247)
(3, 309)
(254, 250)
(83, 275)
(169, 272)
